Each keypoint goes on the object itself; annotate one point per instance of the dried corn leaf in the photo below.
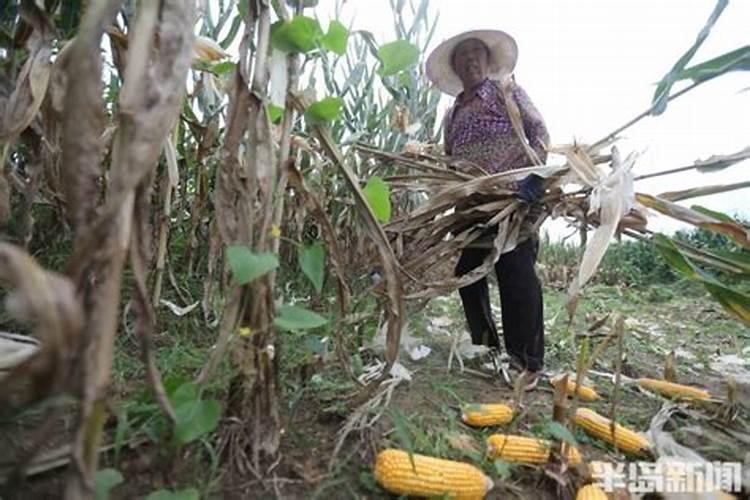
(702, 191)
(610, 200)
(698, 219)
(31, 86)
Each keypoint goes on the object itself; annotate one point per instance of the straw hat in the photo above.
(502, 60)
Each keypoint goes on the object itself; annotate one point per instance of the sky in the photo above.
(591, 65)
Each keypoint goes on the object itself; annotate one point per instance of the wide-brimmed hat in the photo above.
(502, 60)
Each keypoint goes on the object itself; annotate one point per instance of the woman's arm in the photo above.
(533, 123)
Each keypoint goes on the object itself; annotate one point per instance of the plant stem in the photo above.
(601, 142)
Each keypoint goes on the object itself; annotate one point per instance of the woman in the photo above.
(477, 66)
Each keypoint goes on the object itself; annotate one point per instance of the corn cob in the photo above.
(599, 427)
(585, 393)
(526, 450)
(672, 390)
(591, 492)
(429, 476)
(487, 414)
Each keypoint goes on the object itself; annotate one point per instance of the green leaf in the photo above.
(301, 34)
(104, 481)
(735, 302)
(336, 38)
(314, 344)
(324, 111)
(234, 29)
(194, 419)
(713, 213)
(183, 393)
(186, 494)
(243, 6)
(247, 266)
(312, 261)
(735, 60)
(305, 3)
(378, 196)
(292, 318)
(502, 469)
(223, 68)
(661, 95)
(122, 431)
(674, 257)
(560, 432)
(401, 427)
(396, 57)
(275, 113)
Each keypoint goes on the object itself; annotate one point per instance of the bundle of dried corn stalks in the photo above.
(429, 239)
(588, 188)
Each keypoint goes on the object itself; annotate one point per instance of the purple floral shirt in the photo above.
(477, 128)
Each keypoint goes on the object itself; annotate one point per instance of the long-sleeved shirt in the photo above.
(477, 128)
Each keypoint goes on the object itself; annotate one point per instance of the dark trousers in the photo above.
(520, 299)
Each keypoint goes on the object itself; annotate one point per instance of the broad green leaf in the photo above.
(560, 432)
(293, 318)
(502, 469)
(247, 266)
(336, 38)
(314, 343)
(396, 57)
(713, 213)
(735, 302)
(661, 95)
(223, 68)
(301, 34)
(312, 261)
(275, 113)
(186, 494)
(378, 196)
(243, 6)
(194, 419)
(674, 257)
(736, 60)
(104, 481)
(185, 392)
(324, 111)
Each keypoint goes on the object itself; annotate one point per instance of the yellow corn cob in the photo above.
(599, 427)
(429, 476)
(487, 414)
(584, 393)
(672, 390)
(526, 450)
(591, 492)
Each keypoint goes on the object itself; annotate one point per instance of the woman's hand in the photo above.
(530, 189)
